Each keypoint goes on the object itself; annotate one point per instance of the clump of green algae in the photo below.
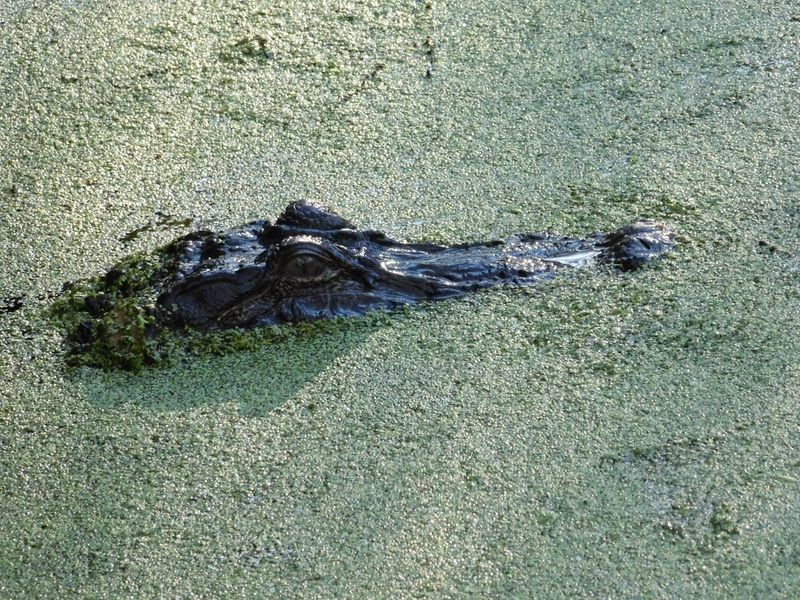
(111, 320)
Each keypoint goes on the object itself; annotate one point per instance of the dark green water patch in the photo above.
(163, 222)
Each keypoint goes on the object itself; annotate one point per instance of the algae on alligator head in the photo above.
(111, 319)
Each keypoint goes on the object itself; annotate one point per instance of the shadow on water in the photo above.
(259, 380)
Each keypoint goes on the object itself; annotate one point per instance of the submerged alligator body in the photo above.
(313, 264)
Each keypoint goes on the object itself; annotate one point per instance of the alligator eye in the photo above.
(306, 266)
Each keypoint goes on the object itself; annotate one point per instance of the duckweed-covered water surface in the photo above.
(604, 434)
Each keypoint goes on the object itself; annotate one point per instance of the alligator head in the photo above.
(313, 264)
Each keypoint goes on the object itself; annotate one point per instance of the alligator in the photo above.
(313, 264)
(309, 264)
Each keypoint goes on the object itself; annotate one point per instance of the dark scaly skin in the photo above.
(313, 264)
